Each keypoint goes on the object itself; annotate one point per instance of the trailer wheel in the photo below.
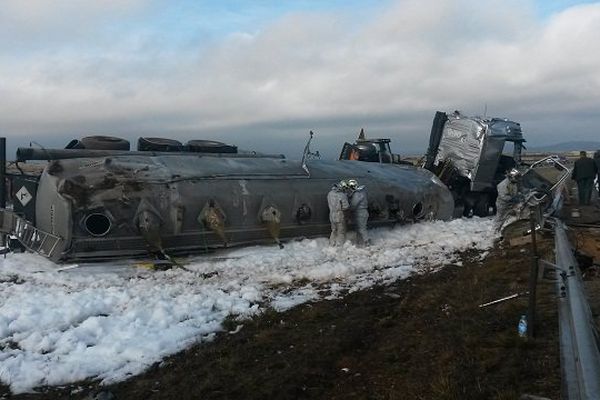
(103, 143)
(482, 206)
(210, 146)
(466, 211)
(469, 205)
(158, 144)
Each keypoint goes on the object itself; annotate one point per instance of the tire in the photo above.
(158, 144)
(210, 146)
(74, 144)
(482, 206)
(104, 143)
(469, 202)
(466, 211)
(493, 199)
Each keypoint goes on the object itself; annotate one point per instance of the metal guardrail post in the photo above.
(533, 276)
(580, 357)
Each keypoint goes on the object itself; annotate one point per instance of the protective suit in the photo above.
(509, 196)
(359, 205)
(337, 199)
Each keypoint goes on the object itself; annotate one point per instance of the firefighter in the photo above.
(509, 196)
(337, 199)
(359, 206)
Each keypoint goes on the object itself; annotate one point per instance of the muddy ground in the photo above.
(419, 338)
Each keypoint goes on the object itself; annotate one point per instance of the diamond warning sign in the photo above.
(24, 196)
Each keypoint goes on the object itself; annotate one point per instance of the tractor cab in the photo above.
(370, 150)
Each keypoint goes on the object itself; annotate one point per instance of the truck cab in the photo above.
(466, 153)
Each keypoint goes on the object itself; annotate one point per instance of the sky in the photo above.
(109, 321)
(262, 74)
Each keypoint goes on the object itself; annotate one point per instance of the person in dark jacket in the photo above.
(597, 161)
(584, 172)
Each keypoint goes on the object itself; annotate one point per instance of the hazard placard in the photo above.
(24, 196)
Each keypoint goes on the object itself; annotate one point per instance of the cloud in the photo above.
(42, 15)
(329, 71)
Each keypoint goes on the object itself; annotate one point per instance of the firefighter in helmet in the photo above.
(359, 204)
(337, 199)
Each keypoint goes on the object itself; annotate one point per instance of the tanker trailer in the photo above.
(94, 206)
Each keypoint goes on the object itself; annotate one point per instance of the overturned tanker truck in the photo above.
(99, 200)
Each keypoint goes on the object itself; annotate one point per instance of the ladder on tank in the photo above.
(32, 238)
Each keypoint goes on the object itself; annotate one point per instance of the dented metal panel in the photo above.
(461, 142)
(474, 146)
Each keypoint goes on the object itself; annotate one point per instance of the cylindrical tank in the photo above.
(125, 206)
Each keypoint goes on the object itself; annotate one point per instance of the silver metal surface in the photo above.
(145, 204)
(474, 146)
(462, 141)
(580, 358)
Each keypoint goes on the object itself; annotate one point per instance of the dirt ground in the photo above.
(420, 338)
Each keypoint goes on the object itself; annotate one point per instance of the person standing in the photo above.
(584, 172)
(337, 199)
(359, 204)
(508, 197)
(597, 161)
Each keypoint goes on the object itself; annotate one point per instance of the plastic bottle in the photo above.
(523, 326)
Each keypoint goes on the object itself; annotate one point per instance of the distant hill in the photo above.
(566, 146)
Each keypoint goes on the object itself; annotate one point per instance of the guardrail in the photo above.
(580, 357)
(578, 337)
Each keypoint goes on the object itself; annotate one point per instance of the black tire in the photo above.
(493, 200)
(467, 211)
(158, 144)
(469, 202)
(74, 144)
(482, 206)
(104, 143)
(210, 146)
